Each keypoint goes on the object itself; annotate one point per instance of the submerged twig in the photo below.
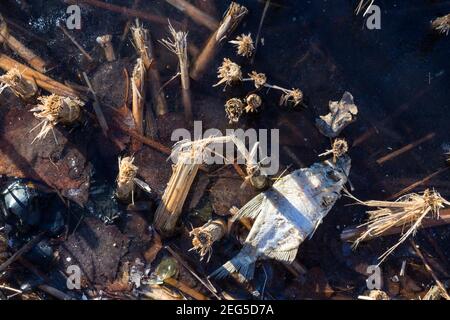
(178, 46)
(407, 212)
(195, 14)
(75, 42)
(233, 16)
(25, 53)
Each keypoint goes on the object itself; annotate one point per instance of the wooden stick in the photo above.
(406, 148)
(350, 234)
(25, 53)
(75, 42)
(430, 270)
(46, 83)
(97, 108)
(122, 10)
(231, 20)
(418, 183)
(28, 246)
(195, 14)
(185, 288)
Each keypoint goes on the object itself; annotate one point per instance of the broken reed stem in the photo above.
(125, 178)
(46, 83)
(233, 16)
(25, 53)
(350, 234)
(175, 194)
(178, 45)
(142, 42)
(18, 85)
(195, 14)
(203, 237)
(138, 90)
(407, 212)
(27, 247)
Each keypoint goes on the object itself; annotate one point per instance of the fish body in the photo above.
(287, 214)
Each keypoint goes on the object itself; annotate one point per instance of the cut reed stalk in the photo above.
(125, 178)
(18, 85)
(233, 16)
(138, 90)
(178, 45)
(203, 237)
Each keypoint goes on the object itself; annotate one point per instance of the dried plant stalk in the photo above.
(138, 90)
(55, 109)
(195, 14)
(25, 53)
(203, 237)
(407, 212)
(142, 43)
(233, 16)
(125, 178)
(105, 42)
(442, 24)
(178, 45)
(189, 155)
(21, 87)
(46, 83)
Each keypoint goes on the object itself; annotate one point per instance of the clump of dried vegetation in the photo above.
(17, 84)
(407, 212)
(55, 109)
(125, 178)
(338, 149)
(442, 24)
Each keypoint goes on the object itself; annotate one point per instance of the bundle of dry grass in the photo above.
(206, 235)
(407, 212)
(17, 84)
(55, 109)
(125, 178)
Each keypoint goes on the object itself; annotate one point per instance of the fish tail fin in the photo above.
(242, 263)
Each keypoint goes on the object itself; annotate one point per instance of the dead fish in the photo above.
(342, 113)
(287, 214)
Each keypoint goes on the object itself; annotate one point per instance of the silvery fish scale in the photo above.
(287, 214)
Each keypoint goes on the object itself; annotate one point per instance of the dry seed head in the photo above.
(228, 72)
(234, 14)
(244, 45)
(127, 170)
(338, 149)
(253, 102)
(259, 79)
(56, 109)
(234, 108)
(294, 96)
(442, 24)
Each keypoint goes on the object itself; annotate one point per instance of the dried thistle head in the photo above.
(228, 72)
(259, 79)
(56, 109)
(253, 102)
(19, 86)
(407, 212)
(294, 96)
(442, 24)
(234, 108)
(338, 149)
(244, 45)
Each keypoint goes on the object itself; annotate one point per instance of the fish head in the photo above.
(338, 171)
